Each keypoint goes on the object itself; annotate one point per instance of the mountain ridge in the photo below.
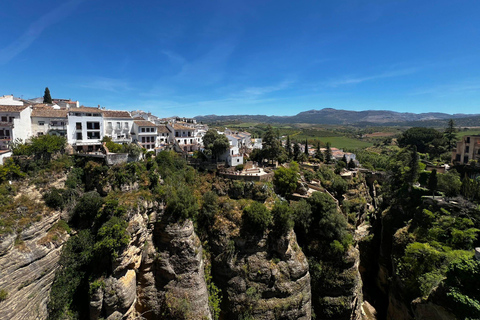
(342, 117)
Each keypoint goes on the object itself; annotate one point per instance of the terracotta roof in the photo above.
(162, 129)
(7, 108)
(144, 123)
(49, 113)
(180, 127)
(116, 114)
(86, 109)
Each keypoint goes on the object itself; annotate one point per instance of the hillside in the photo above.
(331, 116)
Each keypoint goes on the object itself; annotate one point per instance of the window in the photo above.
(78, 125)
(465, 159)
(467, 149)
(41, 123)
(176, 133)
(11, 119)
(143, 139)
(79, 136)
(93, 135)
(40, 134)
(4, 119)
(77, 114)
(118, 126)
(109, 126)
(7, 133)
(143, 129)
(468, 139)
(126, 125)
(93, 125)
(238, 160)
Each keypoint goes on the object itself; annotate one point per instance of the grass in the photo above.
(337, 142)
(469, 132)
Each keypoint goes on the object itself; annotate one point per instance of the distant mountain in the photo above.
(344, 117)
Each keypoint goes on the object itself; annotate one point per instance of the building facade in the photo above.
(467, 149)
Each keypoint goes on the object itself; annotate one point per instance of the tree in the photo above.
(306, 148)
(319, 153)
(256, 217)
(351, 164)
(282, 217)
(425, 139)
(296, 151)
(285, 180)
(449, 183)
(413, 167)
(328, 154)
(450, 134)
(271, 146)
(46, 96)
(288, 148)
(44, 146)
(433, 182)
(215, 143)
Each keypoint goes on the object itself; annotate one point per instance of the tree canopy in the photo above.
(215, 143)
(46, 96)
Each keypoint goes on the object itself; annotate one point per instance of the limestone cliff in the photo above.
(264, 279)
(28, 262)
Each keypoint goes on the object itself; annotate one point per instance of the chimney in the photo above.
(98, 106)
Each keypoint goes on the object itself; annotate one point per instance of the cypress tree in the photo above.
(306, 147)
(328, 154)
(433, 182)
(46, 96)
(288, 148)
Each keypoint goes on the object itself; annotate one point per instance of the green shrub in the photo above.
(54, 198)
(282, 218)
(3, 295)
(256, 217)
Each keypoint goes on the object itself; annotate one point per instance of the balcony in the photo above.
(5, 138)
(6, 124)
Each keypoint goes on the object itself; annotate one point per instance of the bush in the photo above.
(282, 218)
(256, 217)
(86, 209)
(3, 295)
(54, 198)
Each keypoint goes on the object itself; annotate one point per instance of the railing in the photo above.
(5, 138)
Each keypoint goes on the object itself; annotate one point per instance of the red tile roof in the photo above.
(116, 114)
(144, 123)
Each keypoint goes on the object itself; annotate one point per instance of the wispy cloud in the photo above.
(106, 84)
(258, 91)
(174, 57)
(209, 68)
(354, 80)
(449, 89)
(35, 30)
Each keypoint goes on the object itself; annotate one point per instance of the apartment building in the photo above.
(46, 120)
(85, 128)
(467, 149)
(145, 133)
(184, 136)
(14, 124)
(118, 125)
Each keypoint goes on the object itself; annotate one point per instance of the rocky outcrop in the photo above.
(28, 262)
(265, 280)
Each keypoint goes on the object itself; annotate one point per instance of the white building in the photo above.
(46, 120)
(257, 143)
(10, 100)
(163, 135)
(85, 128)
(232, 156)
(118, 125)
(145, 133)
(14, 124)
(184, 136)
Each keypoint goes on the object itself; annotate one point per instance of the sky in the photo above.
(225, 57)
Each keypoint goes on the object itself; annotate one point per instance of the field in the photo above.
(468, 132)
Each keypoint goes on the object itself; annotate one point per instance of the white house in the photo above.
(163, 135)
(184, 136)
(257, 143)
(10, 100)
(85, 128)
(232, 156)
(46, 120)
(117, 125)
(14, 124)
(145, 133)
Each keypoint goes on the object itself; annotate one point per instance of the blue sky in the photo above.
(277, 57)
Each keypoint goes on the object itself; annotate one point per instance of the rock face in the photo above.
(28, 262)
(265, 280)
(159, 275)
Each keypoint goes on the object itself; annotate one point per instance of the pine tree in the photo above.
(46, 96)
(288, 148)
(450, 133)
(351, 164)
(433, 182)
(328, 154)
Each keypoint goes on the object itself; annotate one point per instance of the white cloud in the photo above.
(106, 84)
(354, 80)
(36, 29)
